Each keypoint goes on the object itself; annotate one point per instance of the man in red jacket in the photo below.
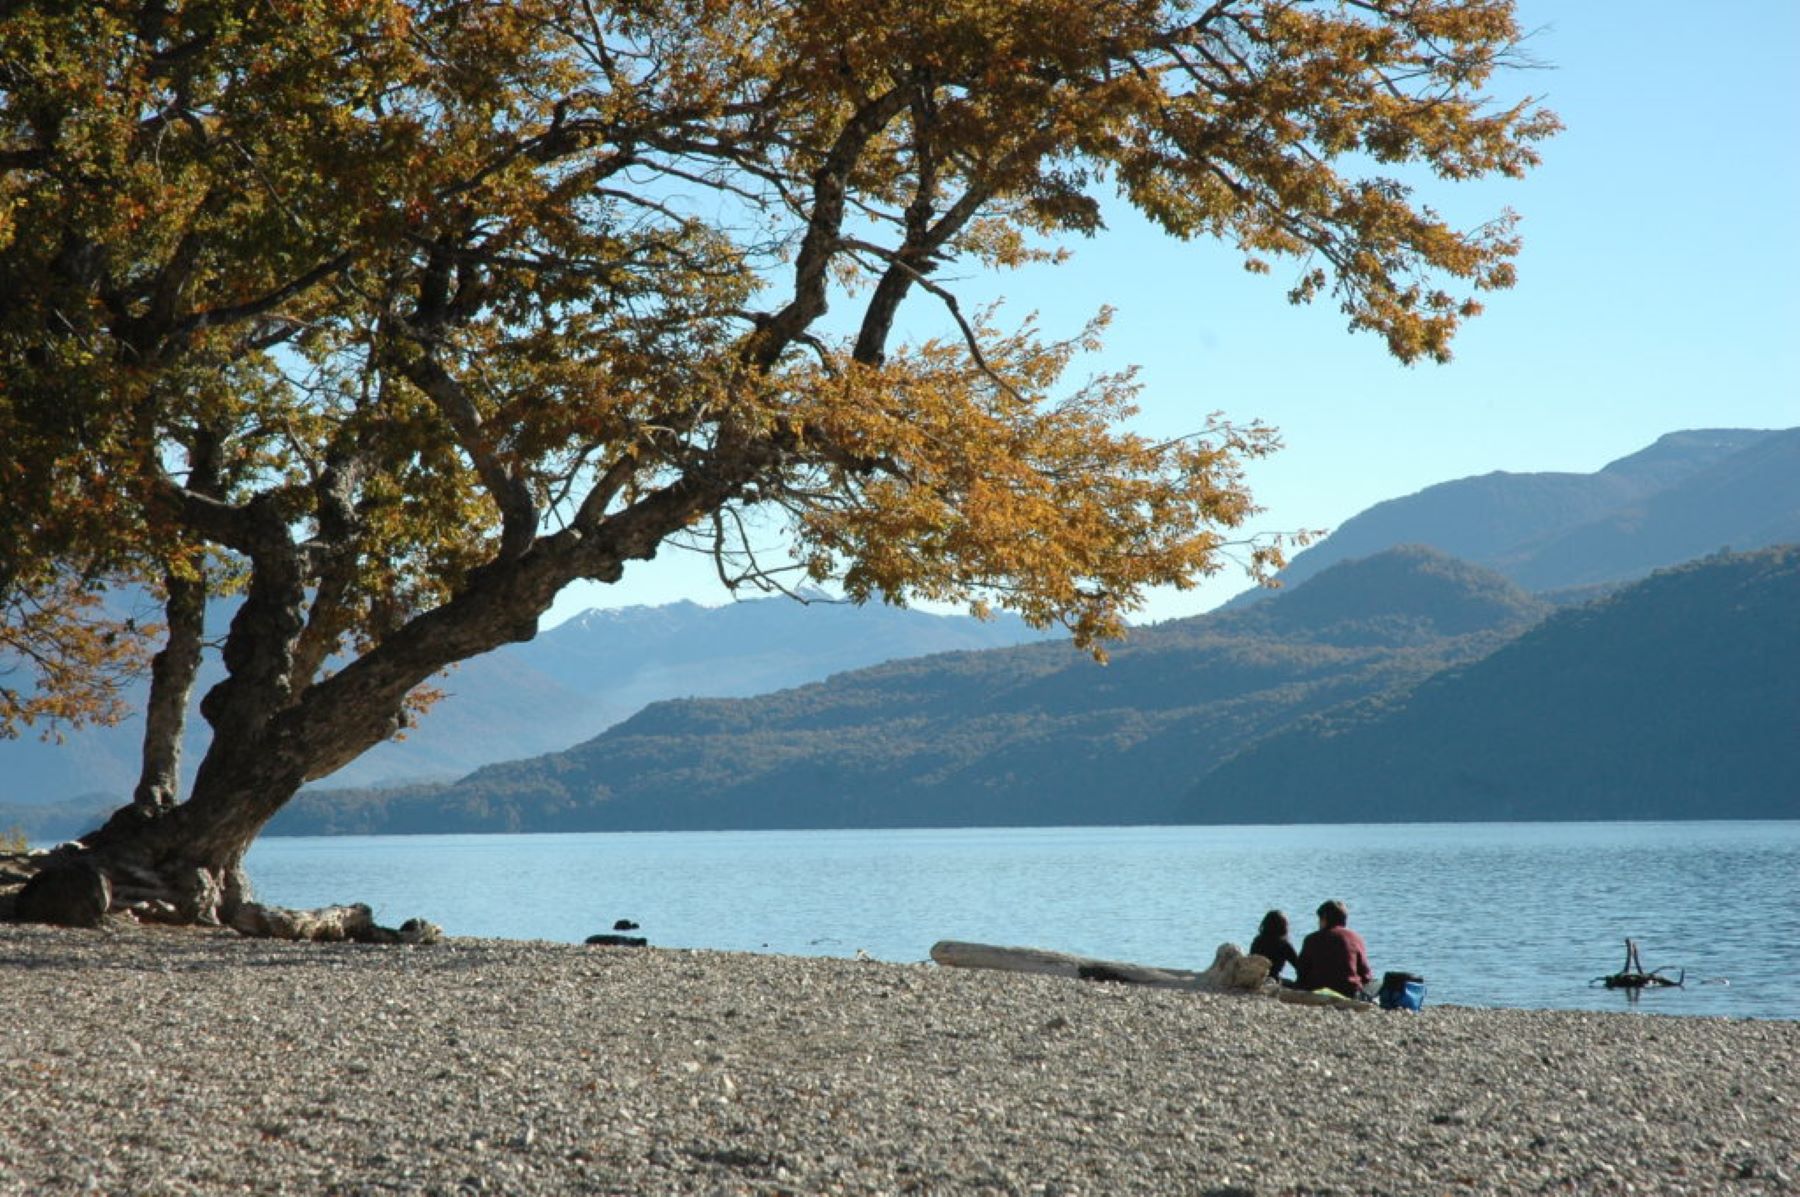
(1334, 957)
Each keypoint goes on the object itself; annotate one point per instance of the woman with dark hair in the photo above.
(1273, 945)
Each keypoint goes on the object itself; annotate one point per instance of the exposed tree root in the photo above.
(67, 888)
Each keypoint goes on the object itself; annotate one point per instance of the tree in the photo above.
(75, 659)
(394, 317)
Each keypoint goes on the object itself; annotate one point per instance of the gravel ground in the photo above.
(160, 1062)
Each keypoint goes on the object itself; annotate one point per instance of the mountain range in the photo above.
(1676, 697)
(1190, 713)
(542, 695)
(1034, 734)
(1689, 494)
(1406, 686)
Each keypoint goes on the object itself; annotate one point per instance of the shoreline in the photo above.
(156, 1061)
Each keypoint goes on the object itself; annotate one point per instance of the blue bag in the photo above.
(1401, 991)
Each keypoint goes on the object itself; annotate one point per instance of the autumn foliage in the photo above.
(395, 318)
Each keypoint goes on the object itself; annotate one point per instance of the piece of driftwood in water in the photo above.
(1230, 970)
(1634, 976)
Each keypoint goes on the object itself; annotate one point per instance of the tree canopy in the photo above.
(395, 317)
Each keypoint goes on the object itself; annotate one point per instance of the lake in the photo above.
(1523, 915)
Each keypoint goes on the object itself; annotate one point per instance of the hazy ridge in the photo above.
(1688, 494)
(1407, 686)
(1245, 714)
(1018, 736)
(545, 694)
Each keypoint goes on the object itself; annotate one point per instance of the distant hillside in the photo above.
(563, 687)
(1678, 697)
(52, 822)
(1747, 500)
(1029, 735)
(1689, 494)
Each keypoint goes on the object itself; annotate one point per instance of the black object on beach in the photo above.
(617, 941)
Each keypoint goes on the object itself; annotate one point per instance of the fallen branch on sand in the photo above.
(1231, 971)
(354, 923)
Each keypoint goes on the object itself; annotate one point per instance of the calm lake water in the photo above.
(1490, 914)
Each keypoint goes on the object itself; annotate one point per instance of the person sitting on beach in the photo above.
(1272, 944)
(1334, 957)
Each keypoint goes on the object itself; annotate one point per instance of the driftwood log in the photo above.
(1635, 976)
(354, 923)
(1230, 970)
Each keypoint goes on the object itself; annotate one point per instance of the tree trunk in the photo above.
(184, 863)
(172, 675)
(274, 731)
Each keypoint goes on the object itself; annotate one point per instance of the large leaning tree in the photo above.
(391, 318)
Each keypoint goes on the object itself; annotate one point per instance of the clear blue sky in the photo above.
(1659, 289)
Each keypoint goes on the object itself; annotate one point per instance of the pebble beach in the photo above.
(145, 1061)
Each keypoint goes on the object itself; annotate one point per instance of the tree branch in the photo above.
(823, 227)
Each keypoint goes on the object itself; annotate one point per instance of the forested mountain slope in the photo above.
(1029, 735)
(545, 694)
(1677, 697)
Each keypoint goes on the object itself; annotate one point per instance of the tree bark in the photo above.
(172, 674)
